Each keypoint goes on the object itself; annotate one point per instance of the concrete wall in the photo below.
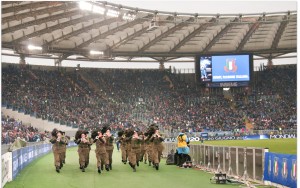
(42, 125)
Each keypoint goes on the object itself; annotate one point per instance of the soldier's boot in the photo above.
(57, 169)
(110, 167)
(156, 166)
(133, 167)
(107, 167)
(99, 169)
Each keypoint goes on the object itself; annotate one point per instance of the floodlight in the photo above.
(32, 47)
(94, 52)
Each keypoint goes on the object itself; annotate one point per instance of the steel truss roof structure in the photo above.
(63, 29)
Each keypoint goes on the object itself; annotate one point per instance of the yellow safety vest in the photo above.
(181, 141)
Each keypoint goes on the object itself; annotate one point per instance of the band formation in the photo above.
(136, 147)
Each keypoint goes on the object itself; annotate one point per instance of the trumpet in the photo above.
(58, 139)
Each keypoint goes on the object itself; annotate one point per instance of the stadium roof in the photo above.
(103, 30)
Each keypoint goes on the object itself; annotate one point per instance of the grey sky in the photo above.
(211, 7)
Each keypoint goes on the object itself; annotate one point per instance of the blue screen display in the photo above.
(225, 68)
(230, 68)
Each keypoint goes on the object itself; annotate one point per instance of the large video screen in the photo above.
(225, 68)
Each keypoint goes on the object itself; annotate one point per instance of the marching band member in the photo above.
(135, 150)
(109, 144)
(100, 151)
(121, 138)
(143, 155)
(65, 147)
(83, 143)
(58, 147)
(158, 147)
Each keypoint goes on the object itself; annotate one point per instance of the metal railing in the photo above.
(245, 163)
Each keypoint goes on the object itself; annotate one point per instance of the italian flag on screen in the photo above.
(294, 169)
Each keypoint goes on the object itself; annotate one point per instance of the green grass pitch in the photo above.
(41, 174)
(285, 146)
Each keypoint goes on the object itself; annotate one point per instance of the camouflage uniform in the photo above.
(101, 154)
(123, 149)
(148, 153)
(65, 149)
(135, 151)
(58, 149)
(143, 154)
(157, 149)
(83, 152)
(109, 149)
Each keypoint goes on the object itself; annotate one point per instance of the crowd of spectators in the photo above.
(13, 129)
(136, 98)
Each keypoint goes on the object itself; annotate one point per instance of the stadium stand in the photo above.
(125, 98)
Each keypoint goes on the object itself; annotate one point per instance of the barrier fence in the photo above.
(13, 162)
(246, 163)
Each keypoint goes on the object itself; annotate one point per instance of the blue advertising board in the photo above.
(22, 157)
(256, 137)
(281, 169)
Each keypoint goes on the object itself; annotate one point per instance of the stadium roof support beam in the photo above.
(129, 37)
(218, 36)
(41, 21)
(7, 2)
(33, 5)
(55, 27)
(50, 9)
(248, 35)
(84, 29)
(191, 35)
(279, 33)
(112, 31)
(192, 54)
(168, 32)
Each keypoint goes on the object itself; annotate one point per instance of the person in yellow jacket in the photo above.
(182, 147)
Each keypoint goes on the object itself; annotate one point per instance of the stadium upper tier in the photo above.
(102, 30)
